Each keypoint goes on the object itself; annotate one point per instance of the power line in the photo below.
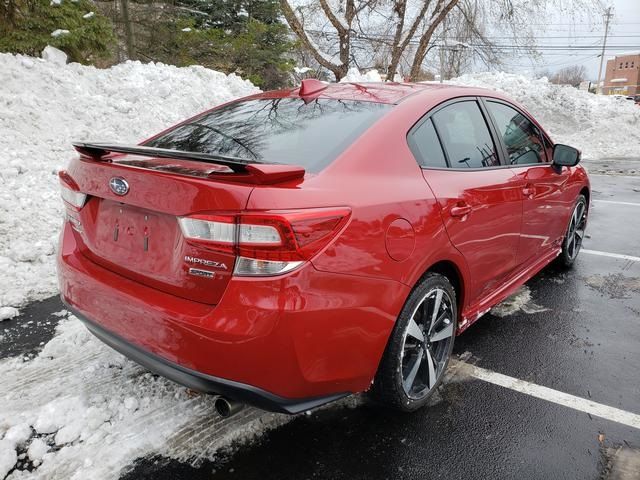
(608, 16)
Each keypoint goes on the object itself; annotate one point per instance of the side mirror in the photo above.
(565, 156)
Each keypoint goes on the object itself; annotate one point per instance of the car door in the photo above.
(546, 204)
(480, 199)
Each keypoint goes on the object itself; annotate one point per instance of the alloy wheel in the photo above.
(426, 342)
(575, 234)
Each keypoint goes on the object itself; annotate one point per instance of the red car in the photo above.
(294, 247)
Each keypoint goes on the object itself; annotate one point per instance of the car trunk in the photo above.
(137, 235)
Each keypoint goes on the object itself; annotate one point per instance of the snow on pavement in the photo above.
(44, 106)
(80, 410)
(520, 301)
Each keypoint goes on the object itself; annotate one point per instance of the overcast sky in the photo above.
(624, 32)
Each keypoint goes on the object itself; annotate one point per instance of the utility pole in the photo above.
(607, 17)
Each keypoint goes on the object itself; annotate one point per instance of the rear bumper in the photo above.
(285, 344)
(206, 383)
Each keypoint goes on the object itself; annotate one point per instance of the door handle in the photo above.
(528, 190)
(460, 210)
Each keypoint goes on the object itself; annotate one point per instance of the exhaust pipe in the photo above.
(226, 407)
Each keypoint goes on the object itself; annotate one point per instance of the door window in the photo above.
(465, 136)
(426, 146)
(524, 143)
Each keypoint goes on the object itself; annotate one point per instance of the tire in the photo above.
(575, 233)
(396, 385)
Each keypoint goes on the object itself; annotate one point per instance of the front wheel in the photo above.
(420, 346)
(575, 233)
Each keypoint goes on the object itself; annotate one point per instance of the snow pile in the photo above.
(51, 54)
(80, 410)
(599, 125)
(354, 75)
(44, 105)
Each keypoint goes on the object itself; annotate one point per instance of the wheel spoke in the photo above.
(440, 335)
(580, 213)
(415, 331)
(434, 325)
(570, 240)
(436, 306)
(411, 377)
(432, 369)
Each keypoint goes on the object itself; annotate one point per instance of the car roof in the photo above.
(380, 92)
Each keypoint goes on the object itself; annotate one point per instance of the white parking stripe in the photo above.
(618, 203)
(566, 400)
(612, 255)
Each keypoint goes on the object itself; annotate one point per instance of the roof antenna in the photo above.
(311, 85)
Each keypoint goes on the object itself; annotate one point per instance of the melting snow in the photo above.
(8, 312)
(59, 32)
(80, 410)
(518, 302)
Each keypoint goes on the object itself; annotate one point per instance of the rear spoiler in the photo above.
(260, 173)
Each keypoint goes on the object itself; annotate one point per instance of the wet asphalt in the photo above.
(586, 343)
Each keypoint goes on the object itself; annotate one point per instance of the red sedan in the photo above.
(294, 247)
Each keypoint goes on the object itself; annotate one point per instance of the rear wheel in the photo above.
(419, 347)
(575, 233)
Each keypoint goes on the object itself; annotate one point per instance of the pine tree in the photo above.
(26, 27)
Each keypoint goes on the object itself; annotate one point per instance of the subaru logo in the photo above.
(119, 185)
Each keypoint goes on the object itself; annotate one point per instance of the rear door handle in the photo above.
(460, 210)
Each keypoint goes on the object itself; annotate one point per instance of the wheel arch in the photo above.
(453, 272)
(587, 194)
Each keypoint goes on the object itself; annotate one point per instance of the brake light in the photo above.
(70, 192)
(267, 243)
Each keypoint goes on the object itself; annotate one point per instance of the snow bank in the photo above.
(44, 105)
(601, 126)
(354, 75)
(80, 410)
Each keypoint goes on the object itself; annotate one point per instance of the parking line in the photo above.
(618, 203)
(544, 393)
(612, 255)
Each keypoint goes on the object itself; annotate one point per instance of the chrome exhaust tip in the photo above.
(226, 408)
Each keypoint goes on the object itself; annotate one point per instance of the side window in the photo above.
(465, 136)
(524, 143)
(426, 146)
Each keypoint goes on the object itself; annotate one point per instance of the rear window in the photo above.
(283, 130)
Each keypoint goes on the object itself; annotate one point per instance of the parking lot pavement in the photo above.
(568, 344)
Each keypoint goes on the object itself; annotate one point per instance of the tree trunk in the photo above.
(128, 30)
(436, 19)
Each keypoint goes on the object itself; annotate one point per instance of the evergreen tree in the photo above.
(242, 36)
(26, 27)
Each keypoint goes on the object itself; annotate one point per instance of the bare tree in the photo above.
(572, 75)
(341, 18)
(399, 34)
(422, 19)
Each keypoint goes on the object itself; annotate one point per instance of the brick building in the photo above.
(623, 75)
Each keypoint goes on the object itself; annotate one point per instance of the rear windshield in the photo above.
(284, 130)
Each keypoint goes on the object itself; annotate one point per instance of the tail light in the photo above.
(73, 198)
(267, 243)
(70, 191)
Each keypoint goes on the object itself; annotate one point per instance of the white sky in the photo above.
(624, 32)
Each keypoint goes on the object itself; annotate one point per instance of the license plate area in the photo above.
(135, 239)
(132, 229)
